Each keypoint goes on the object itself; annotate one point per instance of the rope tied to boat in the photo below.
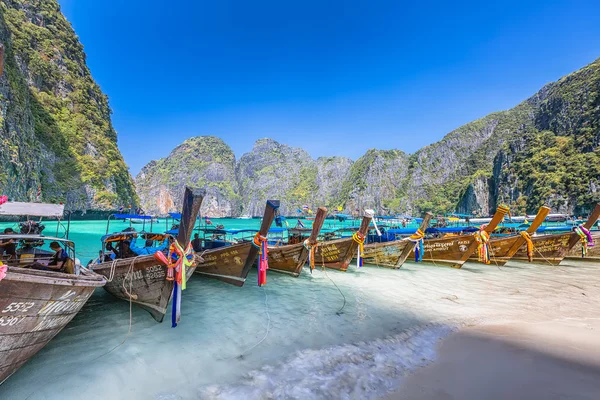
(260, 242)
(417, 239)
(586, 239)
(311, 247)
(529, 244)
(483, 251)
(359, 238)
(3, 269)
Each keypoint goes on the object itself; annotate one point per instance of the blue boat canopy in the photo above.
(276, 230)
(559, 228)
(128, 216)
(452, 229)
(401, 231)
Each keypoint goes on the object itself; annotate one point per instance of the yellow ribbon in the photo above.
(482, 238)
(360, 239)
(529, 242)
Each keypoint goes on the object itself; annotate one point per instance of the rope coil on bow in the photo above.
(483, 251)
(417, 239)
(529, 243)
(260, 242)
(360, 239)
(311, 253)
(586, 239)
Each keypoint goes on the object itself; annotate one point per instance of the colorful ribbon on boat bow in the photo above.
(3, 269)
(586, 239)
(311, 253)
(483, 250)
(360, 239)
(176, 262)
(3, 199)
(417, 239)
(529, 244)
(260, 242)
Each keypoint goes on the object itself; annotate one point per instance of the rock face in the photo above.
(275, 171)
(57, 143)
(544, 151)
(203, 161)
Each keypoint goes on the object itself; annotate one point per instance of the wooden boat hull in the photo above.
(142, 280)
(593, 253)
(335, 254)
(288, 259)
(34, 307)
(547, 249)
(387, 254)
(226, 263)
(447, 251)
(499, 249)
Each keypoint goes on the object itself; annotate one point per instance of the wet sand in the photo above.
(557, 359)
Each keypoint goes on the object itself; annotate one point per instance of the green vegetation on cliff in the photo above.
(50, 82)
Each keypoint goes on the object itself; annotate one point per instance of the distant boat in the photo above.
(245, 216)
(143, 220)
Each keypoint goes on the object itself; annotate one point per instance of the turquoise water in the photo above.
(328, 334)
(87, 234)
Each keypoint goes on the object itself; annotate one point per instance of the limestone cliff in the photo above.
(57, 142)
(203, 161)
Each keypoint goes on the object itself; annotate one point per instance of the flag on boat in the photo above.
(39, 193)
(300, 224)
(121, 209)
(299, 211)
(340, 208)
(305, 207)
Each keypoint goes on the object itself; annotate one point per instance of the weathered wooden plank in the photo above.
(33, 312)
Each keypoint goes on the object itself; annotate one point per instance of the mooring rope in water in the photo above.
(338, 312)
(268, 325)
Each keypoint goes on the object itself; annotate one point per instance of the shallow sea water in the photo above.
(319, 343)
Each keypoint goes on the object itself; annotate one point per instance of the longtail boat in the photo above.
(338, 253)
(454, 251)
(143, 279)
(393, 254)
(232, 263)
(502, 249)
(551, 249)
(290, 258)
(36, 304)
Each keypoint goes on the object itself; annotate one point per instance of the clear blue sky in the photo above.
(336, 78)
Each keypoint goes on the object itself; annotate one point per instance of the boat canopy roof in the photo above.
(128, 216)
(21, 236)
(32, 209)
(453, 229)
(513, 225)
(401, 231)
(558, 228)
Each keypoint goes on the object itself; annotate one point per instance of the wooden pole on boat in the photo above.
(270, 210)
(535, 224)
(362, 231)
(489, 228)
(407, 249)
(574, 239)
(317, 225)
(192, 200)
